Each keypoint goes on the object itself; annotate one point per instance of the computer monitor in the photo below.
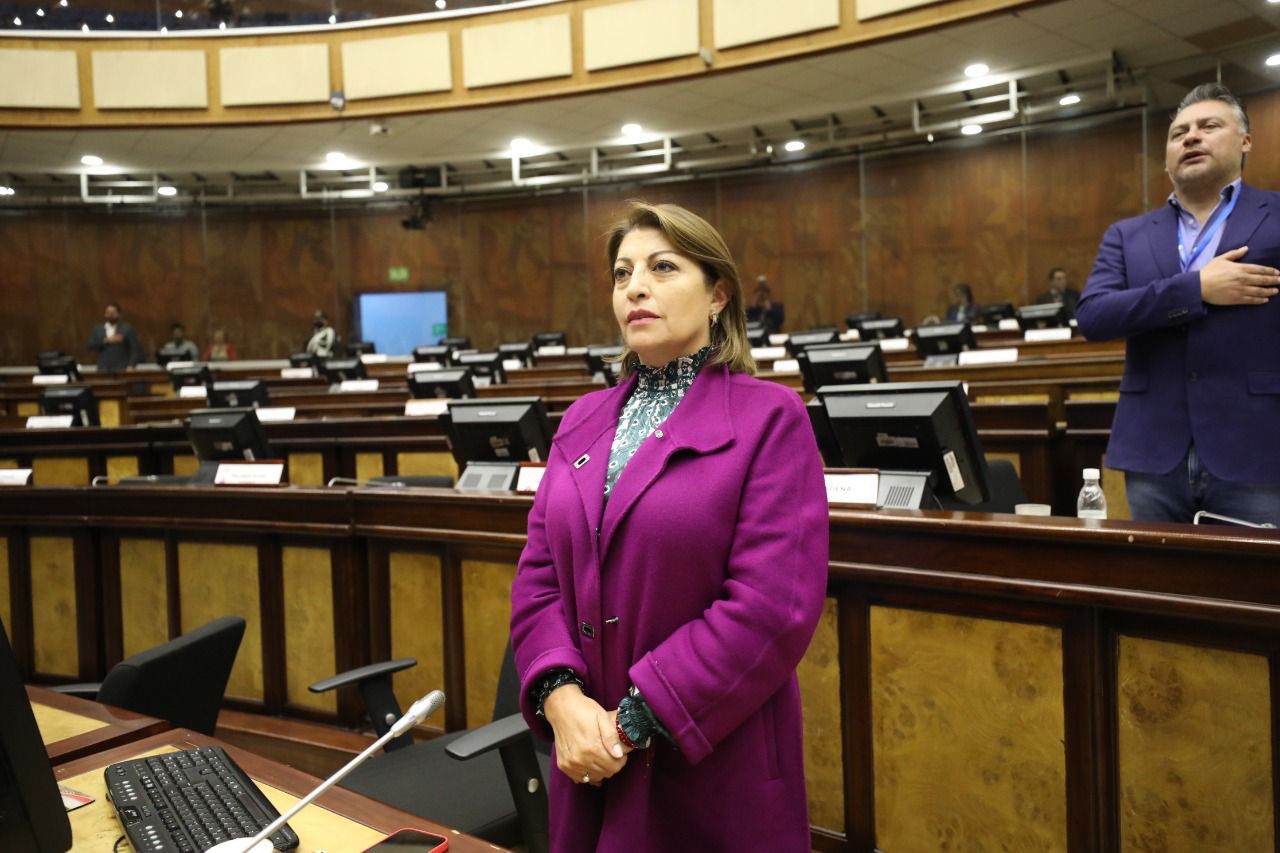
(798, 341)
(56, 363)
(195, 374)
(757, 334)
(450, 384)
(355, 349)
(841, 364)
(855, 321)
(878, 330)
(342, 369)
(238, 394)
(550, 339)
(436, 354)
(225, 435)
(32, 816)
(1052, 315)
(522, 350)
(609, 371)
(919, 434)
(486, 367)
(75, 400)
(304, 359)
(456, 342)
(491, 437)
(995, 312)
(944, 342)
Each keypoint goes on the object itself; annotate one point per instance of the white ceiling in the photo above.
(1163, 41)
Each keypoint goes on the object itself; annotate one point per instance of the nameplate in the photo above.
(851, 335)
(552, 350)
(779, 339)
(529, 477)
(419, 366)
(187, 392)
(425, 408)
(174, 365)
(786, 365)
(768, 353)
(50, 421)
(373, 358)
(249, 474)
(348, 386)
(1059, 334)
(15, 476)
(50, 379)
(510, 364)
(276, 414)
(298, 373)
(576, 351)
(860, 489)
(894, 345)
(482, 381)
(979, 328)
(1004, 355)
(1009, 324)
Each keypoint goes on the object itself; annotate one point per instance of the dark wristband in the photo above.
(551, 682)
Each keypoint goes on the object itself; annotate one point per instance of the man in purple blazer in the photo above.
(1192, 287)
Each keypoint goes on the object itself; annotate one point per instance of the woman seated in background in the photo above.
(674, 572)
(963, 309)
(219, 349)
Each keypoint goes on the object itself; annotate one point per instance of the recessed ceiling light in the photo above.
(929, 138)
(62, 3)
(977, 69)
(178, 14)
(222, 25)
(336, 157)
(632, 129)
(1273, 60)
(380, 186)
(521, 147)
(794, 145)
(91, 160)
(441, 4)
(6, 190)
(111, 19)
(39, 13)
(17, 22)
(971, 129)
(167, 191)
(164, 29)
(1069, 100)
(84, 28)
(333, 19)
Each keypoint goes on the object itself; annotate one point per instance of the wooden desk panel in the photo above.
(73, 728)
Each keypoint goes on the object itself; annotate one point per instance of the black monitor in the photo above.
(797, 342)
(920, 430)
(359, 348)
(238, 394)
(32, 816)
(195, 374)
(855, 321)
(522, 350)
(55, 363)
(342, 369)
(485, 366)
(304, 359)
(550, 339)
(609, 371)
(757, 334)
(456, 342)
(497, 433)
(75, 400)
(225, 435)
(995, 312)
(878, 330)
(450, 384)
(436, 354)
(1051, 315)
(947, 340)
(841, 364)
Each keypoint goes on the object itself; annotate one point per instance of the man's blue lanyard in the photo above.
(1215, 224)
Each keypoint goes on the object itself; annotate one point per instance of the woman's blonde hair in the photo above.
(694, 237)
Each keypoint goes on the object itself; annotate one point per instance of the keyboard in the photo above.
(188, 801)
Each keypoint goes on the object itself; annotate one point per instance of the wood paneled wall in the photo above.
(890, 233)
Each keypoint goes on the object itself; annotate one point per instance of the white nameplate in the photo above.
(779, 339)
(15, 476)
(512, 364)
(786, 365)
(50, 379)
(482, 381)
(768, 353)
(419, 366)
(576, 351)
(298, 373)
(1060, 334)
(174, 365)
(349, 385)
(373, 358)
(1009, 324)
(980, 328)
(249, 474)
(553, 349)
(861, 488)
(426, 408)
(193, 392)
(851, 335)
(50, 421)
(277, 414)
(894, 345)
(529, 477)
(1004, 355)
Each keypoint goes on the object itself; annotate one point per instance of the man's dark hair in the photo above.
(1216, 92)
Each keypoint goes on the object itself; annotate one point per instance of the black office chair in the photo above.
(181, 681)
(1006, 490)
(491, 785)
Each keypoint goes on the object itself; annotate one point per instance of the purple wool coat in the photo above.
(701, 582)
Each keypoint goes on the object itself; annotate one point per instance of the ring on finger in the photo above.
(586, 778)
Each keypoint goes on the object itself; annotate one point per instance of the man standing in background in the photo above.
(115, 342)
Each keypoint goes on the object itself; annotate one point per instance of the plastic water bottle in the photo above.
(1092, 503)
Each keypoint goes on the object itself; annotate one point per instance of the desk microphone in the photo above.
(260, 843)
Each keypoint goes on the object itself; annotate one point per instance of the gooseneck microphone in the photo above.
(260, 843)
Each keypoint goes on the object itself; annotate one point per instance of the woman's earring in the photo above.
(714, 318)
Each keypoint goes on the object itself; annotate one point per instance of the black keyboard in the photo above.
(189, 801)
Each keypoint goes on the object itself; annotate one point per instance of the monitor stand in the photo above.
(489, 477)
(905, 490)
(205, 474)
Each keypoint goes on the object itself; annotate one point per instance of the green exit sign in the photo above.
(398, 274)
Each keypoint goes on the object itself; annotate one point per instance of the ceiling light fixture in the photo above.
(977, 69)
(167, 191)
(929, 138)
(1069, 100)
(62, 3)
(111, 19)
(442, 4)
(84, 28)
(379, 186)
(632, 129)
(40, 13)
(91, 160)
(222, 25)
(335, 157)
(522, 147)
(17, 22)
(333, 19)
(794, 145)
(164, 29)
(6, 190)
(178, 14)
(1273, 60)
(971, 129)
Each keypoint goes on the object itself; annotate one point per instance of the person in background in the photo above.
(662, 602)
(1191, 286)
(219, 349)
(764, 309)
(323, 337)
(178, 345)
(962, 309)
(1060, 290)
(115, 342)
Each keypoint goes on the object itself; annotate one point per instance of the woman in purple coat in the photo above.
(674, 572)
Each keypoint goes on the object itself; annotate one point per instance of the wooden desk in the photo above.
(340, 821)
(73, 728)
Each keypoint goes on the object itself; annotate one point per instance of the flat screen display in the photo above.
(398, 322)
